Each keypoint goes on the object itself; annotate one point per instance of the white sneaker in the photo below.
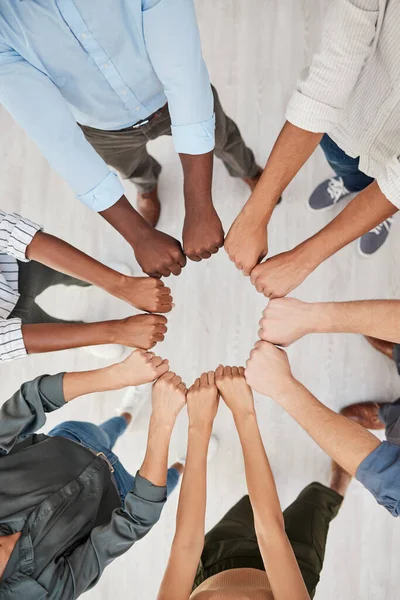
(212, 451)
(134, 399)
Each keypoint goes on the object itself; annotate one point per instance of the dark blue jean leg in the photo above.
(345, 166)
(114, 428)
(172, 480)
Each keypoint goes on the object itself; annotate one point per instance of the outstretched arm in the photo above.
(25, 412)
(286, 320)
(143, 293)
(188, 541)
(280, 563)
(143, 505)
(268, 372)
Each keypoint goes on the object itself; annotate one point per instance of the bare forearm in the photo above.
(292, 149)
(197, 172)
(155, 464)
(364, 212)
(260, 480)
(343, 440)
(88, 382)
(376, 318)
(63, 257)
(190, 520)
(50, 337)
(127, 221)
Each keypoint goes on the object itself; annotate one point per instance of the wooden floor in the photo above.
(254, 50)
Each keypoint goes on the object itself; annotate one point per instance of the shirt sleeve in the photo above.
(173, 44)
(25, 412)
(389, 181)
(324, 88)
(12, 343)
(143, 507)
(16, 233)
(38, 106)
(380, 474)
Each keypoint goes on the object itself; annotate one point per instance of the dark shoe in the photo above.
(340, 479)
(328, 193)
(370, 242)
(149, 206)
(252, 182)
(365, 414)
(382, 346)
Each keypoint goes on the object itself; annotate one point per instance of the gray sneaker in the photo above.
(328, 193)
(369, 243)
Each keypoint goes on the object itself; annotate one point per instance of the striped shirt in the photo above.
(16, 234)
(352, 88)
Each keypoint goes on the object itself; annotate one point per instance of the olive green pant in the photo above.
(126, 151)
(232, 543)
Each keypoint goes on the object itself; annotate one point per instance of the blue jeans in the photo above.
(102, 439)
(345, 166)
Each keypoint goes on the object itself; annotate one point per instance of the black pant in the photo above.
(33, 279)
(232, 543)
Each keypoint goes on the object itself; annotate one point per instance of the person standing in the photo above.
(31, 261)
(68, 507)
(255, 552)
(348, 101)
(93, 84)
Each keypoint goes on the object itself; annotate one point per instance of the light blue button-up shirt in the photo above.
(106, 64)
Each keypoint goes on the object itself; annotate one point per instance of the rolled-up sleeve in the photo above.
(173, 44)
(324, 88)
(16, 233)
(38, 106)
(389, 181)
(380, 474)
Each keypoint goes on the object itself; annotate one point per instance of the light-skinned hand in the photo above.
(140, 367)
(267, 370)
(202, 402)
(286, 320)
(246, 243)
(168, 398)
(281, 274)
(234, 389)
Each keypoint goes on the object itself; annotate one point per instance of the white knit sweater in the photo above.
(352, 88)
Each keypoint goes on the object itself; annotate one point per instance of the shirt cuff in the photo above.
(21, 233)
(380, 474)
(11, 340)
(51, 388)
(312, 115)
(143, 488)
(105, 194)
(198, 138)
(389, 181)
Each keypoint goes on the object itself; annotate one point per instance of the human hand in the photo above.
(246, 243)
(234, 389)
(267, 370)
(286, 320)
(168, 398)
(159, 254)
(202, 232)
(202, 402)
(140, 367)
(281, 274)
(145, 293)
(139, 331)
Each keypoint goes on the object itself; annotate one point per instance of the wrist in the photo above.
(200, 430)
(115, 283)
(160, 426)
(322, 317)
(288, 388)
(141, 231)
